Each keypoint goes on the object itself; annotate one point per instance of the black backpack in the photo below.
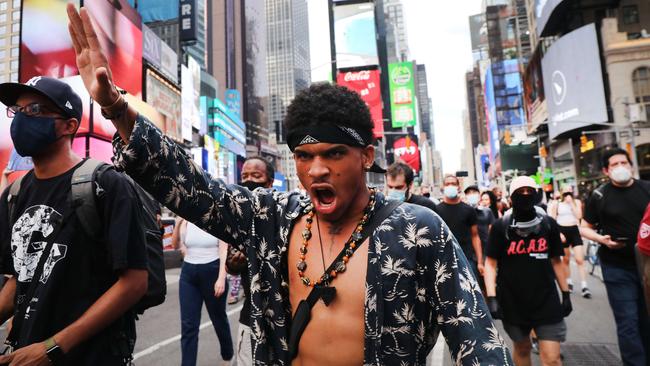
(84, 200)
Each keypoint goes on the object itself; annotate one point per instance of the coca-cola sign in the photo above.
(357, 76)
(366, 83)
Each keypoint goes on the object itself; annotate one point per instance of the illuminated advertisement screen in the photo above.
(573, 82)
(405, 148)
(366, 84)
(53, 55)
(402, 94)
(491, 115)
(354, 35)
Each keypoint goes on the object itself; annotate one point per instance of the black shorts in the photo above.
(572, 235)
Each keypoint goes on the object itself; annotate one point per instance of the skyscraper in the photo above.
(288, 60)
(9, 40)
(424, 102)
(398, 38)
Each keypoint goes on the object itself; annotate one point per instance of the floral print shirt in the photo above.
(418, 280)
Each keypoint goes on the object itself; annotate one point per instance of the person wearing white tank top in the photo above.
(567, 211)
(202, 280)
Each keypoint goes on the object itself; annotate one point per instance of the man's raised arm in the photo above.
(153, 160)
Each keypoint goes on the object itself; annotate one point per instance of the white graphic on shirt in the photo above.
(644, 231)
(27, 253)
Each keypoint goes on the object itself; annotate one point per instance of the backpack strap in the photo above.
(12, 198)
(83, 193)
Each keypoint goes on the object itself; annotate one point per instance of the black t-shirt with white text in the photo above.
(460, 218)
(618, 213)
(526, 288)
(78, 271)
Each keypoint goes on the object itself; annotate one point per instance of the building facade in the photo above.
(10, 12)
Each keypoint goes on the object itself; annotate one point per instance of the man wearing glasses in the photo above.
(71, 306)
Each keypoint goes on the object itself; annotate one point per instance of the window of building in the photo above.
(3, 17)
(14, 77)
(14, 65)
(3, 29)
(3, 5)
(15, 15)
(630, 14)
(14, 40)
(641, 86)
(16, 4)
(3, 41)
(14, 51)
(15, 28)
(3, 54)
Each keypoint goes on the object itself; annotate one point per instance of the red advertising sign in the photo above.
(406, 149)
(46, 47)
(366, 83)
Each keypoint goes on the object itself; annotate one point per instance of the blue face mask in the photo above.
(32, 134)
(451, 192)
(396, 195)
(472, 199)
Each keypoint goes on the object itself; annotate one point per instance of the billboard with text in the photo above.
(402, 94)
(355, 35)
(367, 84)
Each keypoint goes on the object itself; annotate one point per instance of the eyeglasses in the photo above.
(32, 110)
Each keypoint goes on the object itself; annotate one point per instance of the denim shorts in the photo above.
(547, 332)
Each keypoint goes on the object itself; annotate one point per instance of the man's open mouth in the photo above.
(324, 198)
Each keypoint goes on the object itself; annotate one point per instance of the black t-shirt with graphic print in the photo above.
(526, 287)
(78, 271)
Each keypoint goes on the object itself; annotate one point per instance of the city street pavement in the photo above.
(591, 338)
(160, 328)
(591, 332)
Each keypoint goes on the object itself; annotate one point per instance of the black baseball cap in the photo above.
(58, 92)
(473, 187)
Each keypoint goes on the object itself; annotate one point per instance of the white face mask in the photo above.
(472, 199)
(621, 175)
(451, 192)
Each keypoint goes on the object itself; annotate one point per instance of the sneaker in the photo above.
(570, 288)
(586, 293)
(535, 345)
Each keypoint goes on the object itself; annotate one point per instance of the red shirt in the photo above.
(644, 233)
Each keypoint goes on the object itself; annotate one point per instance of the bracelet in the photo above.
(119, 114)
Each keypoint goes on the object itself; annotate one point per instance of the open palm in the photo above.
(92, 63)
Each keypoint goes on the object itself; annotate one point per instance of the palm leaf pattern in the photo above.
(417, 279)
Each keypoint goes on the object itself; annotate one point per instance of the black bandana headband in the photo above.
(332, 134)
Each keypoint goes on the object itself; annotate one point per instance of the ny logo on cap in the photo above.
(68, 105)
(33, 81)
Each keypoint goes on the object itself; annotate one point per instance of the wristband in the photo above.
(53, 352)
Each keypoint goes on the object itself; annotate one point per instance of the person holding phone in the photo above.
(616, 210)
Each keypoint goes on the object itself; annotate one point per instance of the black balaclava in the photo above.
(523, 206)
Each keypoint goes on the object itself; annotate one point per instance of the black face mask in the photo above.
(251, 186)
(31, 135)
(523, 206)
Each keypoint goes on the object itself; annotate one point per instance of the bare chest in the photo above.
(335, 334)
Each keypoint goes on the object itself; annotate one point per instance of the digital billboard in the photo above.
(573, 82)
(402, 94)
(406, 149)
(367, 84)
(543, 11)
(478, 31)
(354, 35)
(51, 55)
(491, 115)
(119, 35)
(167, 101)
(187, 103)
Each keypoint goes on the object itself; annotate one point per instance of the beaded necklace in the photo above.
(349, 247)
